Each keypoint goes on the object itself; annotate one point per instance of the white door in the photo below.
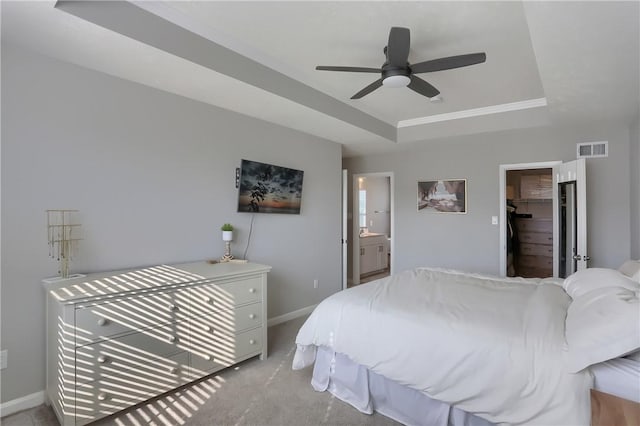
(571, 232)
(344, 229)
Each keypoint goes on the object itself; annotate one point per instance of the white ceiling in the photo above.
(547, 62)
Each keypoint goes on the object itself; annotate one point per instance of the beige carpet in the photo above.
(252, 393)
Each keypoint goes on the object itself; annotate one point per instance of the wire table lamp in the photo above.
(63, 235)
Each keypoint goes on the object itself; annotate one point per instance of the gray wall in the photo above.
(153, 177)
(634, 163)
(470, 242)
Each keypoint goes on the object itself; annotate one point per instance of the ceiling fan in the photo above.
(397, 72)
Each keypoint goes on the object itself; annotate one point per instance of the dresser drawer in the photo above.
(216, 297)
(124, 388)
(228, 322)
(535, 261)
(102, 321)
(223, 352)
(536, 249)
(535, 237)
(139, 353)
(535, 225)
(531, 272)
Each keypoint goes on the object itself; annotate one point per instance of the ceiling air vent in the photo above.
(593, 149)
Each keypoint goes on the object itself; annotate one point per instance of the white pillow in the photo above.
(587, 280)
(601, 325)
(631, 268)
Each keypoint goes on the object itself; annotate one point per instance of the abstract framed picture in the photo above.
(265, 188)
(443, 196)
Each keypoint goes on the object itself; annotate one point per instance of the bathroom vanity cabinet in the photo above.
(373, 253)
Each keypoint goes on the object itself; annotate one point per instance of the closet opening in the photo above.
(528, 219)
(529, 205)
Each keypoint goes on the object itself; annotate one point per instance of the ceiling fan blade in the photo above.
(370, 88)
(425, 89)
(449, 63)
(398, 46)
(347, 69)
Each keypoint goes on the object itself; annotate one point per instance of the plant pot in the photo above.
(227, 235)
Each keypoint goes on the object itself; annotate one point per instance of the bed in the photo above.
(440, 347)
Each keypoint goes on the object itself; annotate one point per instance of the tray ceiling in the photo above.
(547, 62)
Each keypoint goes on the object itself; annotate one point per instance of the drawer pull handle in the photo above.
(252, 290)
(173, 339)
(209, 299)
(209, 357)
(173, 370)
(102, 396)
(103, 321)
(174, 308)
(208, 328)
(252, 316)
(252, 342)
(102, 359)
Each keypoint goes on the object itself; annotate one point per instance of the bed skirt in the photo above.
(369, 392)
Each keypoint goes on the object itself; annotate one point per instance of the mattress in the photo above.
(619, 377)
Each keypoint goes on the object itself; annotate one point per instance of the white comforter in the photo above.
(491, 346)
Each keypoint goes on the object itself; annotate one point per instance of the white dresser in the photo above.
(119, 338)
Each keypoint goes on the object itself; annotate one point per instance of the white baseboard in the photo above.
(22, 403)
(291, 315)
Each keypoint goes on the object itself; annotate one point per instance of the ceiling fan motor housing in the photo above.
(396, 76)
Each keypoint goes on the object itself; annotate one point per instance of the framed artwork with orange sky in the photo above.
(265, 188)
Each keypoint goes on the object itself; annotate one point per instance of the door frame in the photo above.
(504, 168)
(355, 224)
(345, 224)
(575, 171)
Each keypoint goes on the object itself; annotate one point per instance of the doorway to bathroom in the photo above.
(372, 225)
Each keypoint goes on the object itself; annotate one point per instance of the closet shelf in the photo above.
(532, 200)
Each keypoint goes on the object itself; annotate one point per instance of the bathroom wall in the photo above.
(378, 204)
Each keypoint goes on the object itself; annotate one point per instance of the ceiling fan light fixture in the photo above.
(396, 71)
(396, 81)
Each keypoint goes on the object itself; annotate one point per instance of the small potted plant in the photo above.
(227, 232)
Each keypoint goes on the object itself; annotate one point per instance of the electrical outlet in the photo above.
(3, 359)
(315, 283)
(494, 220)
